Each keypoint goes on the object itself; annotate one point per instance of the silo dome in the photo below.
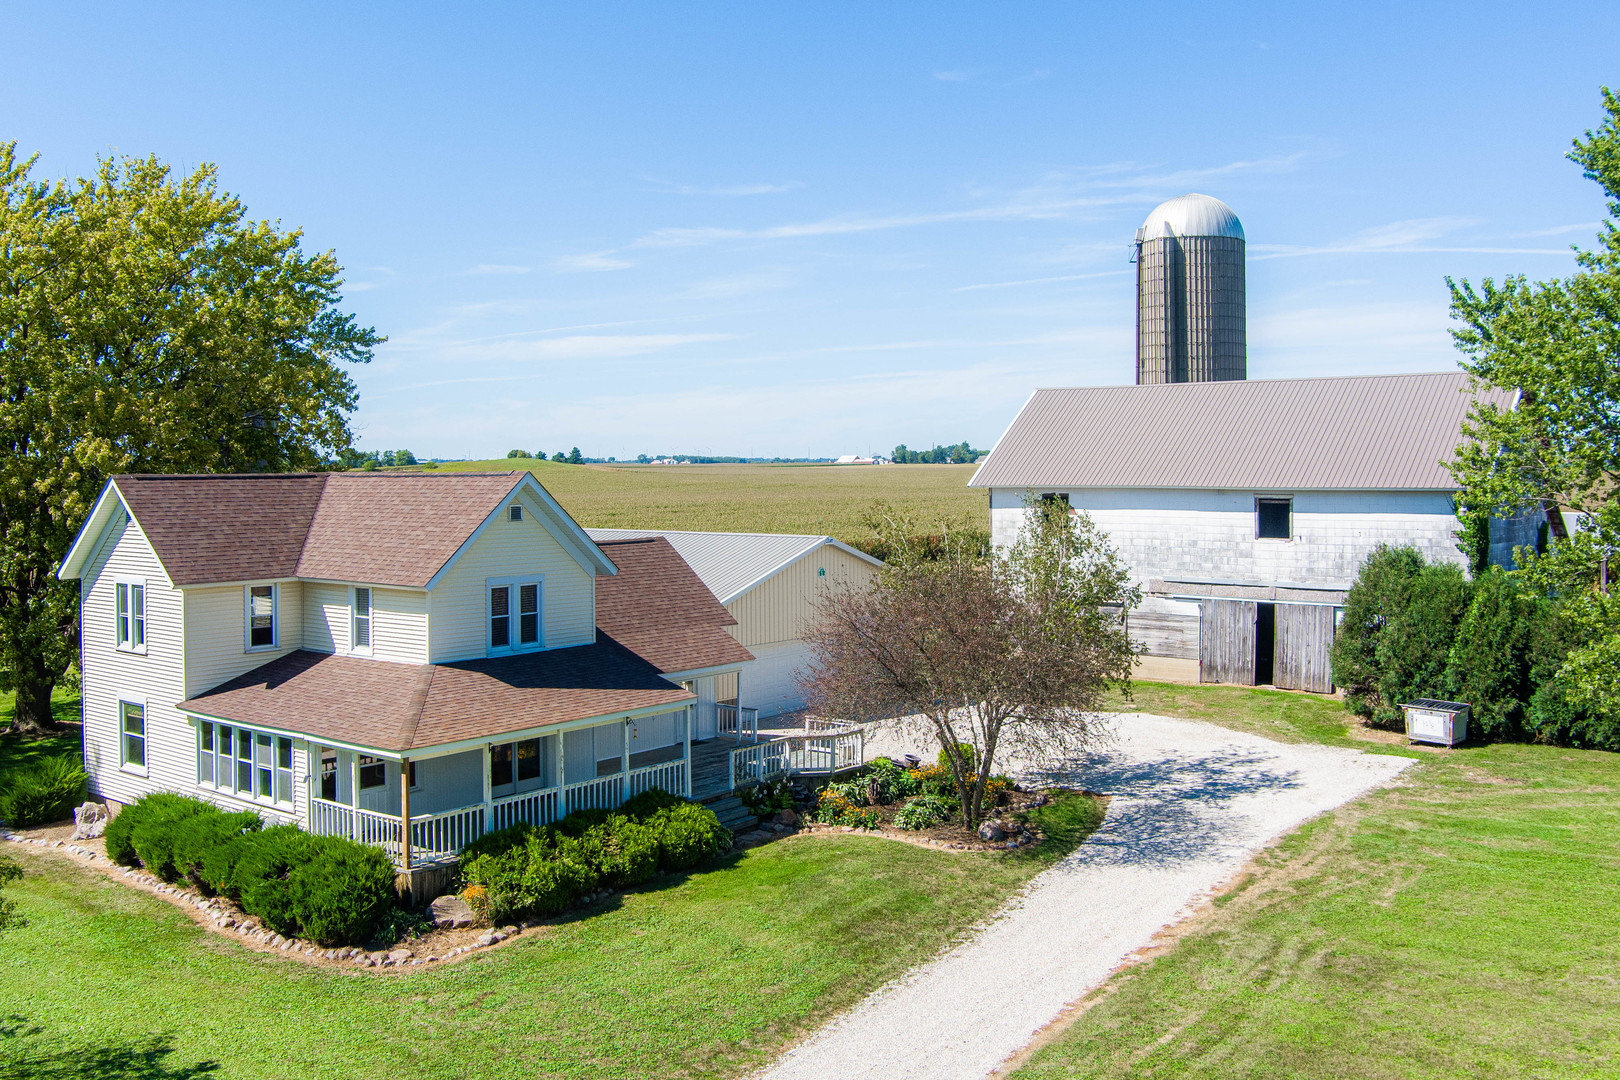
(1191, 325)
(1192, 215)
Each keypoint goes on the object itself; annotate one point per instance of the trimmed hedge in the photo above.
(44, 792)
(328, 889)
(542, 870)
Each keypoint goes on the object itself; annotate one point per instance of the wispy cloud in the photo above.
(592, 262)
(1414, 236)
(483, 269)
(952, 76)
(1562, 230)
(376, 278)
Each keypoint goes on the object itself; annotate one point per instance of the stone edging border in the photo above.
(224, 921)
(950, 847)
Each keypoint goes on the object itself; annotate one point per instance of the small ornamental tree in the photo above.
(9, 872)
(1007, 652)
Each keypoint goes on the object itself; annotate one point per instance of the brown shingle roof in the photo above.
(224, 527)
(377, 528)
(1367, 433)
(401, 707)
(660, 609)
(397, 529)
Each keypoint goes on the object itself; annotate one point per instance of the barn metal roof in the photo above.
(732, 563)
(1363, 433)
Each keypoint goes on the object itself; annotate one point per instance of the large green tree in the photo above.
(146, 325)
(1558, 343)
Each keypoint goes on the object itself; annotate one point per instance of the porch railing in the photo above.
(738, 721)
(814, 754)
(442, 835)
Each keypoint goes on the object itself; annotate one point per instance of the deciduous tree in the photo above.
(146, 325)
(1011, 652)
(1558, 343)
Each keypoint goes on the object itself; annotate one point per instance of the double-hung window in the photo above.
(360, 639)
(131, 615)
(252, 765)
(515, 615)
(132, 735)
(261, 617)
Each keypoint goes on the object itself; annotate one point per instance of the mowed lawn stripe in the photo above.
(1461, 924)
(707, 975)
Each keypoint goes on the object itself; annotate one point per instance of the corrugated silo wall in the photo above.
(1158, 306)
(1217, 332)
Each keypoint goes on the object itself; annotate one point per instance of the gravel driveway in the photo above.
(1191, 804)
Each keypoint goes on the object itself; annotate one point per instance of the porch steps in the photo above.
(733, 814)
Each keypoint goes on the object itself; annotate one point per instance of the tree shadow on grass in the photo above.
(27, 1052)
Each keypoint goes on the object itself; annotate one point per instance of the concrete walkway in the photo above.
(1192, 803)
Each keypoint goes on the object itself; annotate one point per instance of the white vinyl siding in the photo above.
(111, 676)
(399, 622)
(511, 551)
(216, 651)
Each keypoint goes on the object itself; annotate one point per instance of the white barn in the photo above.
(1245, 508)
(769, 583)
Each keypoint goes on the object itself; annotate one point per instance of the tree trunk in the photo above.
(33, 705)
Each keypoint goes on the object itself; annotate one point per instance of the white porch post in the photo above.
(354, 796)
(405, 813)
(562, 774)
(687, 749)
(624, 760)
(489, 792)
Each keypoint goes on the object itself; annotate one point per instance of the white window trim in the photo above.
(120, 584)
(371, 620)
(146, 738)
(228, 788)
(247, 617)
(514, 582)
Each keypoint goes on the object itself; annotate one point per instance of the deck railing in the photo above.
(813, 754)
(442, 835)
(738, 721)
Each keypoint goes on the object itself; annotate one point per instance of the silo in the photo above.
(1190, 320)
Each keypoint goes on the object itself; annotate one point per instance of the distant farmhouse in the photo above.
(1243, 508)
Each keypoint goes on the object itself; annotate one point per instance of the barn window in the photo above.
(1274, 519)
(1055, 498)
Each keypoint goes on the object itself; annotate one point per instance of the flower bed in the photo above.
(922, 800)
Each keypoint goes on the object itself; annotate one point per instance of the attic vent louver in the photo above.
(514, 513)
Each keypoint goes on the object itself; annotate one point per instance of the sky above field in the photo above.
(807, 230)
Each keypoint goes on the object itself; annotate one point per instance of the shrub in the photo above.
(152, 832)
(649, 802)
(343, 892)
(689, 835)
(970, 758)
(119, 836)
(207, 846)
(260, 879)
(625, 851)
(934, 780)
(768, 797)
(904, 782)
(925, 811)
(1489, 662)
(44, 792)
(835, 807)
(1376, 595)
(497, 842)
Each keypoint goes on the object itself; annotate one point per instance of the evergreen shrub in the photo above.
(207, 846)
(342, 893)
(261, 881)
(44, 792)
(153, 831)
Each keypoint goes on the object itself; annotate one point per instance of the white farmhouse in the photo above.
(409, 660)
(1245, 508)
(769, 583)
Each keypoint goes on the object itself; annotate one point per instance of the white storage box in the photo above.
(1443, 723)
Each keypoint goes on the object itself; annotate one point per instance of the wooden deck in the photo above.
(711, 767)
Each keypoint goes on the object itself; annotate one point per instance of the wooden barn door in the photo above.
(1226, 641)
(1304, 637)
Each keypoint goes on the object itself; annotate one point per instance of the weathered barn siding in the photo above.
(1304, 639)
(1226, 642)
(1166, 627)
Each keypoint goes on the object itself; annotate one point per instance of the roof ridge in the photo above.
(1262, 382)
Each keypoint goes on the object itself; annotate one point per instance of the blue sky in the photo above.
(822, 229)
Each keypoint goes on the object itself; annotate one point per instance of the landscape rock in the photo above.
(486, 939)
(790, 818)
(450, 913)
(398, 955)
(992, 831)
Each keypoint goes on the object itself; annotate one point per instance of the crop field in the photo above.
(816, 499)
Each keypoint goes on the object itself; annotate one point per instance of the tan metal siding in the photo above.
(456, 629)
(783, 607)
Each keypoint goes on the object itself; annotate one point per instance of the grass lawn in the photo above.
(709, 975)
(1275, 714)
(18, 751)
(822, 499)
(1462, 924)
